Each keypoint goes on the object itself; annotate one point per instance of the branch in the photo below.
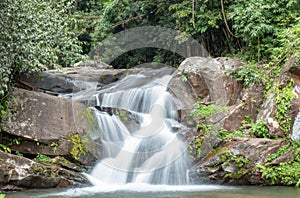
(127, 20)
(224, 17)
(87, 27)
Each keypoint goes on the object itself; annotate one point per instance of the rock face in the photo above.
(236, 161)
(45, 124)
(209, 80)
(25, 173)
(268, 110)
(249, 104)
(205, 80)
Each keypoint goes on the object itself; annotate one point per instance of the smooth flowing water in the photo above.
(150, 153)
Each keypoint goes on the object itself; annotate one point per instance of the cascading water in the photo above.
(151, 154)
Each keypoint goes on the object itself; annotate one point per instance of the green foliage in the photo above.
(204, 141)
(5, 148)
(249, 128)
(19, 154)
(258, 23)
(249, 74)
(54, 146)
(283, 104)
(286, 173)
(203, 20)
(289, 42)
(195, 148)
(224, 134)
(257, 29)
(78, 146)
(238, 160)
(259, 129)
(279, 153)
(2, 195)
(35, 34)
(205, 111)
(42, 158)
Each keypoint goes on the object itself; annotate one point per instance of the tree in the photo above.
(34, 35)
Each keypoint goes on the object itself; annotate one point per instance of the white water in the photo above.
(296, 128)
(150, 155)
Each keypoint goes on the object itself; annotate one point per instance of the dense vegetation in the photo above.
(36, 34)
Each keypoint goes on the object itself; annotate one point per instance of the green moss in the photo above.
(78, 145)
(87, 119)
(122, 114)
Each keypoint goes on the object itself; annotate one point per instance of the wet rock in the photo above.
(45, 124)
(183, 91)
(19, 172)
(235, 162)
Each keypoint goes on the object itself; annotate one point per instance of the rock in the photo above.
(46, 82)
(91, 63)
(209, 80)
(252, 99)
(18, 172)
(236, 161)
(46, 124)
(204, 80)
(71, 80)
(268, 110)
(183, 91)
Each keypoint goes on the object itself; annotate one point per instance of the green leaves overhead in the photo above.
(35, 35)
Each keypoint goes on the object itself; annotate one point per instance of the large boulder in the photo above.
(205, 80)
(21, 172)
(84, 75)
(41, 123)
(209, 80)
(236, 162)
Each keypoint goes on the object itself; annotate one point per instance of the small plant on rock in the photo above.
(42, 158)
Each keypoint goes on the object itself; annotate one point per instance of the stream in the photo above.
(143, 191)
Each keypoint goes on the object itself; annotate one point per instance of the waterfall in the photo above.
(296, 128)
(151, 153)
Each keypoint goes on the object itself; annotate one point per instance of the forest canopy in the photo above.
(36, 35)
